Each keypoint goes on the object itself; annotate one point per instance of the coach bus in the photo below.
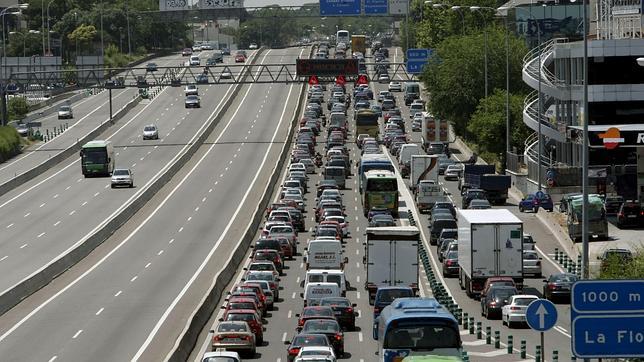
(97, 158)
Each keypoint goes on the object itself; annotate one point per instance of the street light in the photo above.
(478, 9)
(48, 29)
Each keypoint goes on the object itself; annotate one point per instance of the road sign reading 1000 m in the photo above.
(327, 67)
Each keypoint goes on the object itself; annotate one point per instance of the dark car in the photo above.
(271, 244)
(446, 234)
(630, 214)
(386, 295)
(270, 255)
(558, 286)
(325, 185)
(444, 205)
(151, 67)
(450, 264)
(343, 309)
(382, 220)
(305, 340)
(314, 312)
(612, 204)
(472, 194)
(193, 102)
(437, 227)
(331, 329)
(202, 78)
(377, 211)
(495, 299)
(443, 246)
(533, 202)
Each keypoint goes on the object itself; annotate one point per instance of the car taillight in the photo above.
(536, 202)
(350, 310)
(621, 214)
(217, 338)
(376, 309)
(515, 308)
(338, 337)
(300, 322)
(293, 351)
(538, 263)
(552, 286)
(247, 338)
(449, 262)
(493, 303)
(273, 286)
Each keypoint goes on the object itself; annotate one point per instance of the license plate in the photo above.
(337, 313)
(632, 216)
(564, 288)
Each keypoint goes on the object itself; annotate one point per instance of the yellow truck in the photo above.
(359, 44)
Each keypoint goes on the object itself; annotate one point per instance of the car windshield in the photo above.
(566, 278)
(322, 326)
(259, 276)
(192, 98)
(388, 295)
(524, 301)
(530, 256)
(503, 293)
(240, 317)
(232, 327)
(220, 359)
(65, 108)
(120, 172)
(310, 340)
(262, 267)
(452, 255)
(150, 128)
(324, 312)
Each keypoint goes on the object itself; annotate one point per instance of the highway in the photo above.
(359, 344)
(47, 217)
(89, 113)
(131, 299)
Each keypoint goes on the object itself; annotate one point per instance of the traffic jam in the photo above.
(338, 214)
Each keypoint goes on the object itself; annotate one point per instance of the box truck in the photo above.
(490, 243)
(391, 258)
(433, 130)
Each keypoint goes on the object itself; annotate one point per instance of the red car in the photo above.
(240, 58)
(271, 255)
(314, 312)
(186, 51)
(242, 303)
(249, 316)
(250, 294)
(255, 289)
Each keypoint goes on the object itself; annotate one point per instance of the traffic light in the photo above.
(313, 80)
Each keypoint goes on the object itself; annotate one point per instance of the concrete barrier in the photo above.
(46, 274)
(209, 303)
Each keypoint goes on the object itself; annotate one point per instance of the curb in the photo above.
(190, 334)
(46, 274)
(59, 157)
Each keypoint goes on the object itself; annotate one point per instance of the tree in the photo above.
(615, 268)
(84, 34)
(487, 126)
(17, 108)
(455, 80)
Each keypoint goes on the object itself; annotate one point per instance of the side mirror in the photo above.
(221, 319)
(545, 280)
(286, 342)
(354, 305)
(297, 315)
(301, 296)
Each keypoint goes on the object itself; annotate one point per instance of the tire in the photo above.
(111, 186)
(520, 208)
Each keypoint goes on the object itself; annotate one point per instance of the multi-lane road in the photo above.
(132, 297)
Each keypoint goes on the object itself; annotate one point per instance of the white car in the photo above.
(453, 172)
(122, 177)
(308, 164)
(319, 352)
(221, 355)
(191, 90)
(531, 263)
(252, 46)
(395, 87)
(65, 112)
(514, 311)
(196, 48)
(150, 132)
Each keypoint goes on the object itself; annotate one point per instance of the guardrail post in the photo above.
(573, 359)
(523, 349)
(459, 315)
(537, 355)
(465, 356)
(465, 320)
(510, 344)
(557, 254)
(555, 356)
(471, 325)
(497, 339)
(488, 335)
(479, 331)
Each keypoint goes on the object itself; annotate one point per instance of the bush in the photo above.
(9, 142)
(17, 108)
(615, 268)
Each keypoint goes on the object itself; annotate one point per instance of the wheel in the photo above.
(131, 185)
(520, 208)
(112, 186)
(502, 321)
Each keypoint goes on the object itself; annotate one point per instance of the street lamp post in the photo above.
(478, 9)
(4, 51)
(127, 19)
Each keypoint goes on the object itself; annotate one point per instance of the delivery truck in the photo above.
(433, 130)
(391, 258)
(359, 44)
(490, 243)
(422, 167)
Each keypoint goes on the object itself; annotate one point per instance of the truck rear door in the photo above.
(379, 262)
(510, 257)
(405, 259)
(484, 246)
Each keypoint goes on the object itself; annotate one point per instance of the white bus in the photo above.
(342, 36)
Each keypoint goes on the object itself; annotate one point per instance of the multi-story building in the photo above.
(615, 102)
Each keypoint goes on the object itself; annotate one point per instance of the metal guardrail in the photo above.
(531, 62)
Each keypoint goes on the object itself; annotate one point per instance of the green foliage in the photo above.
(487, 126)
(455, 76)
(115, 59)
(83, 34)
(24, 44)
(9, 142)
(615, 268)
(17, 108)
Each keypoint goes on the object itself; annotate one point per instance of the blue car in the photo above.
(533, 202)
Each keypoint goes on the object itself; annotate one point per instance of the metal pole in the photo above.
(507, 90)
(42, 17)
(584, 180)
(24, 53)
(48, 29)
(543, 351)
(127, 19)
(539, 109)
(485, 50)
(110, 93)
(102, 45)
(407, 27)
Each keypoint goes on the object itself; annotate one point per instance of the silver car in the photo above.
(122, 177)
(65, 112)
(531, 263)
(150, 132)
(193, 102)
(191, 90)
(395, 87)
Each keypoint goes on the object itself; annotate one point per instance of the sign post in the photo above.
(541, 315)
(607, 319)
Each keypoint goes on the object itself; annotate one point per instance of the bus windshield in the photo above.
(385, 165)
(366, 119)
(421, 335)
(94, 156)
(382, 184)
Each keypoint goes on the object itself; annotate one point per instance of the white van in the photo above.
(317, 291)
(324, 254)
(327, 276)
(194, 61)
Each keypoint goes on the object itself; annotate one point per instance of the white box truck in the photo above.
(391, 258)
(423, 167)
(490, 243)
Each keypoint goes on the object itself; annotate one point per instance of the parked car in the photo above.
(533, 202)
(122, 177)
(630, 214)
(621, 256)
(558, 286)
(612, 204)
(515, 310)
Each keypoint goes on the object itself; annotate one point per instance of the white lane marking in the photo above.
(4, 257)
(72, 212)
(100, 311)
(297, 281)
(290, 314)
(293, 296)
(77, 334)
(556, 265)
(134, 278)
(360, 337)
(67, 188)
(23, 246)
(358, 277)
(181, 229)
(84, 203)
(357, 264)
(358, 295)
(43, 204)
(160, 252)
(118, 293)
(357, 251)
(27, 214)
(562, 331)
(96, 194)
(203, 200)
(56, 196)
(56, 223)
(53, 359)
(41, 234)
(10, 225)
(171, 241)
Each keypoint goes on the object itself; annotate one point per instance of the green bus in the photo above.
(380, 191)
(367, 123)
(97, 158)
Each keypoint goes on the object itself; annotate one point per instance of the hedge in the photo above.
(9, 142)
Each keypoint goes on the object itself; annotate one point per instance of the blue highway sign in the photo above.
(617, 336)
(418, 54)
(415, 66)
(541, 315)
(339, 7)
(608, 296)
(376, 7)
